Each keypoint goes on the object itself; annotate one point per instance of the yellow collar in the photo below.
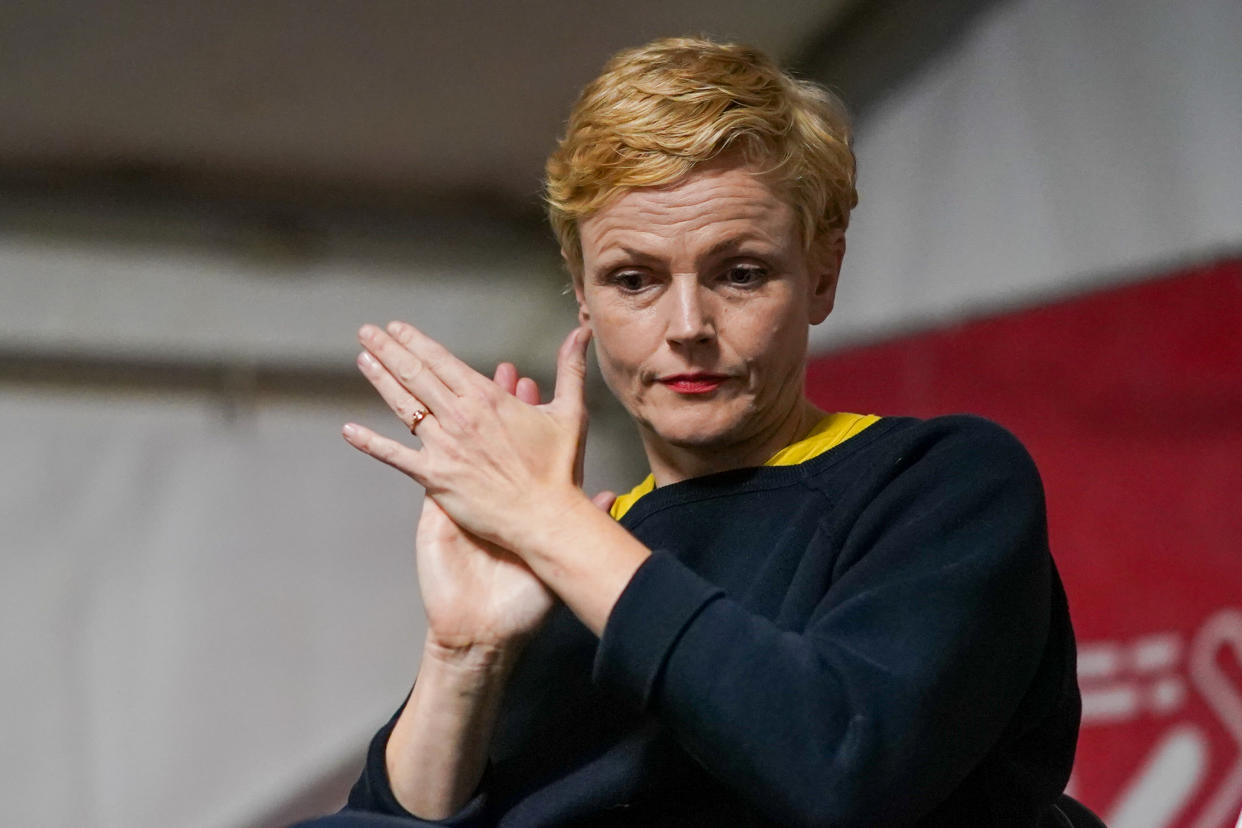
(831, 431)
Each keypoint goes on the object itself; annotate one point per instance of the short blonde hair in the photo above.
(659, 110)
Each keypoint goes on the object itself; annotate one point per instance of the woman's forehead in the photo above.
(709, 206)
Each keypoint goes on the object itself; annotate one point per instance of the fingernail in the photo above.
(366, 360)
(367, 332)
(349, 430)
(394, 328)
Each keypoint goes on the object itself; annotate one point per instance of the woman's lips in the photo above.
(694, 383)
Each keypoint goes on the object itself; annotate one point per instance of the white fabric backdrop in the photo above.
(197, 613)
(1060, 146)
(227, 301)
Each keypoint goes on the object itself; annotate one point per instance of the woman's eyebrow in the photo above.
(735, 243)
(725, 246)
(620, 254)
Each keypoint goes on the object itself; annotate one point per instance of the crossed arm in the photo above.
(504, 529)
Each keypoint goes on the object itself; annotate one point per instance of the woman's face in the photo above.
(700, 295)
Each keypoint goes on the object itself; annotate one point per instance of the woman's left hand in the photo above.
(497, 466)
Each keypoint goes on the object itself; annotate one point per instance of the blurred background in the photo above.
(207, 600)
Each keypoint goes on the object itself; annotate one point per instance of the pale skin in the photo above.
(699, 296)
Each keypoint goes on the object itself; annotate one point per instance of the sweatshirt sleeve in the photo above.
(908, 670)
(372, 793)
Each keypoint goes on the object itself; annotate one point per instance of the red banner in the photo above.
(1130, 400)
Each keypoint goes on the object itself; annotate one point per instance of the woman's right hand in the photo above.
(477, 596)
(482, 602)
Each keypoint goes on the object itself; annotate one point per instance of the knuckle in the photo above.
(399, 332)
(438, 353)
(487, 395)
(467, 420)
(410, 371)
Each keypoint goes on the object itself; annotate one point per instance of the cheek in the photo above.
(759, 334)
(619, 338)
(772, 344)
(619, 359)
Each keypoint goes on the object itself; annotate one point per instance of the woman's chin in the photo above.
(696, 433)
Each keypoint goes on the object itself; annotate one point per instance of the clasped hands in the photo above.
(498, 468)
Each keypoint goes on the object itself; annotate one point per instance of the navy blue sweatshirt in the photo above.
(876, 636)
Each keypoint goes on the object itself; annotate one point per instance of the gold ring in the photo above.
(419, 415)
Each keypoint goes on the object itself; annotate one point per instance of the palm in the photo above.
(474, 592)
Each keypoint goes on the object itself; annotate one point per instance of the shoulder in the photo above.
(964, 443)
(955, 442)
(951, 428)
(938, 493)
(929, 464)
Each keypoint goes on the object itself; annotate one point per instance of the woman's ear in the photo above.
(575, 276)
(823, 269)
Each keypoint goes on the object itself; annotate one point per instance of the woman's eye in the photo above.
(744, 275)
(629, 280)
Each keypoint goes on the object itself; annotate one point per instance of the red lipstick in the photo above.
(694, 383)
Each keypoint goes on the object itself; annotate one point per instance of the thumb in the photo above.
(571, 370)
(604, 500)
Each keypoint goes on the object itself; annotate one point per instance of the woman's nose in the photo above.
(690, 313)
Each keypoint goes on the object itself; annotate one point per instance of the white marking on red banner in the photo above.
(1165, 782)
(1123, 680)
(1222, 630)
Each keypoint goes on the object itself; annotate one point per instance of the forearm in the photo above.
(817, 727)
(889, 645)
(437, 751)
(580, 553)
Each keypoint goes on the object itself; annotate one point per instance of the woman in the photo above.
(799, 617)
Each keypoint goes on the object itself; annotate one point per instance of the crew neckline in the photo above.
(831, 431)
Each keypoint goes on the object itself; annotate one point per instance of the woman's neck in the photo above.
(672, 464)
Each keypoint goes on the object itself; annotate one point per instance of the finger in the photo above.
(580, 462)
(456, 375)
(407, 369)
(604, 500)
(571, 369)
(506, 377)
(402, 403)
(570, 394)
(528, 391)
(399, 456)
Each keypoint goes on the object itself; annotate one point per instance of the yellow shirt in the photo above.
(831, 431)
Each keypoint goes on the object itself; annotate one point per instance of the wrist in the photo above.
(481, 659)
(437, 750)
(552, 515)
(581, 554)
